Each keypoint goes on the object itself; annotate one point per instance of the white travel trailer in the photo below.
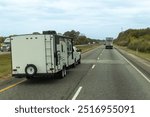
(41, 55)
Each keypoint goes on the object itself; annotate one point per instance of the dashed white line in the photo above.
(102, 52)
(77, 93)
(137, 69)
(93, 66)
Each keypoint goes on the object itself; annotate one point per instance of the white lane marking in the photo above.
(77, 93)
(93, 66)
(102, 52)
(146, 78)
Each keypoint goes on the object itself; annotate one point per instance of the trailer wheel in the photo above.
(30, 70)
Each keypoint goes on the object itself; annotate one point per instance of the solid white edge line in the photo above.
(77, 93)
(137, 69)
(93, 66)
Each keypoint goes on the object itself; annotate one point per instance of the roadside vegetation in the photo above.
(80, 39)
(143, 55)
(1, 40)
(135, 39)
(5, 65)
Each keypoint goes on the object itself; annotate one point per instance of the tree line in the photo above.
(79, 38)
(1, 39)
(135, 39)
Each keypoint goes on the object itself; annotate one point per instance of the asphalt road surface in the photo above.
(104, 74)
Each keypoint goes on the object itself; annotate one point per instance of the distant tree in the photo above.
(79, 38)
(74, 34)
(36, 33)
(136, 39)
(82, 40)
(2, 39)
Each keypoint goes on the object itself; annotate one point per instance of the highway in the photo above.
(104, 74)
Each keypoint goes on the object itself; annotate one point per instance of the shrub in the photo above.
(140, 45)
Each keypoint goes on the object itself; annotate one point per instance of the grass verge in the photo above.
(5, 65)
(142, 55)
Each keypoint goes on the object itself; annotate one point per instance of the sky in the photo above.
(94, 18)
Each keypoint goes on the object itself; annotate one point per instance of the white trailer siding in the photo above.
(29, 49)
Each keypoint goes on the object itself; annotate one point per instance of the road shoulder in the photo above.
(142, 64)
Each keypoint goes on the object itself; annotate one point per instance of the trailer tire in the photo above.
(30, 70)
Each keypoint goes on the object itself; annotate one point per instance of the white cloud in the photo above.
(72, 14)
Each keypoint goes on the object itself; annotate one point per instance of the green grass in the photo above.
(86, 48)
(5, 65)
(142, 55)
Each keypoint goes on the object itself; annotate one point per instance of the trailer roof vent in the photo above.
(49, 32)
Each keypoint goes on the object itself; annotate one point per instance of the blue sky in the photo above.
(94, 18)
